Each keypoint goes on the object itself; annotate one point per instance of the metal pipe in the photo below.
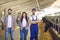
(38, 4)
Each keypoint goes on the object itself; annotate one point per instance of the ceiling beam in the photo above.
(14, 3)
(5, 1)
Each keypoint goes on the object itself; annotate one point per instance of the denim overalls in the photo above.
(34, 30)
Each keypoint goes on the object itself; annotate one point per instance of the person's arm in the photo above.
(19, 23)
(14, 22)
(37, 21)
(33, 22)
(4, 26)
(4, 22)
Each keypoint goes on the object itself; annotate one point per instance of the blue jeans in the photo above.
(23, 34)
(7, 33)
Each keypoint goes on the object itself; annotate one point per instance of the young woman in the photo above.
(34, 25)
(23, 23)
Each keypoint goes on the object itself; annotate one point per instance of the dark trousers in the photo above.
(34, 31)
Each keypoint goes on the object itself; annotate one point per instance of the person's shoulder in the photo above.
(30, 17)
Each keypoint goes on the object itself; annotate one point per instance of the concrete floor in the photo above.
(41, 36)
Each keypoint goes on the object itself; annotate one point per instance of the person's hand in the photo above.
(4, 26)
(34, 22)
(14, 27)
(21, 28)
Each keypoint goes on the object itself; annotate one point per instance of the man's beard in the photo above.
(33, 13)
(9, 13)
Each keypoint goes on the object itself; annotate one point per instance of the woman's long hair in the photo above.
(25, 17)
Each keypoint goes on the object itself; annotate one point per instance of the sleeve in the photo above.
(39, 17)
(30, 18)
(19, 23)
(14, 20)
(4, 19)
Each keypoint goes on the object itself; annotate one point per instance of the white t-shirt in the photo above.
(34, 17)
(24, 22)
(9, 21)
